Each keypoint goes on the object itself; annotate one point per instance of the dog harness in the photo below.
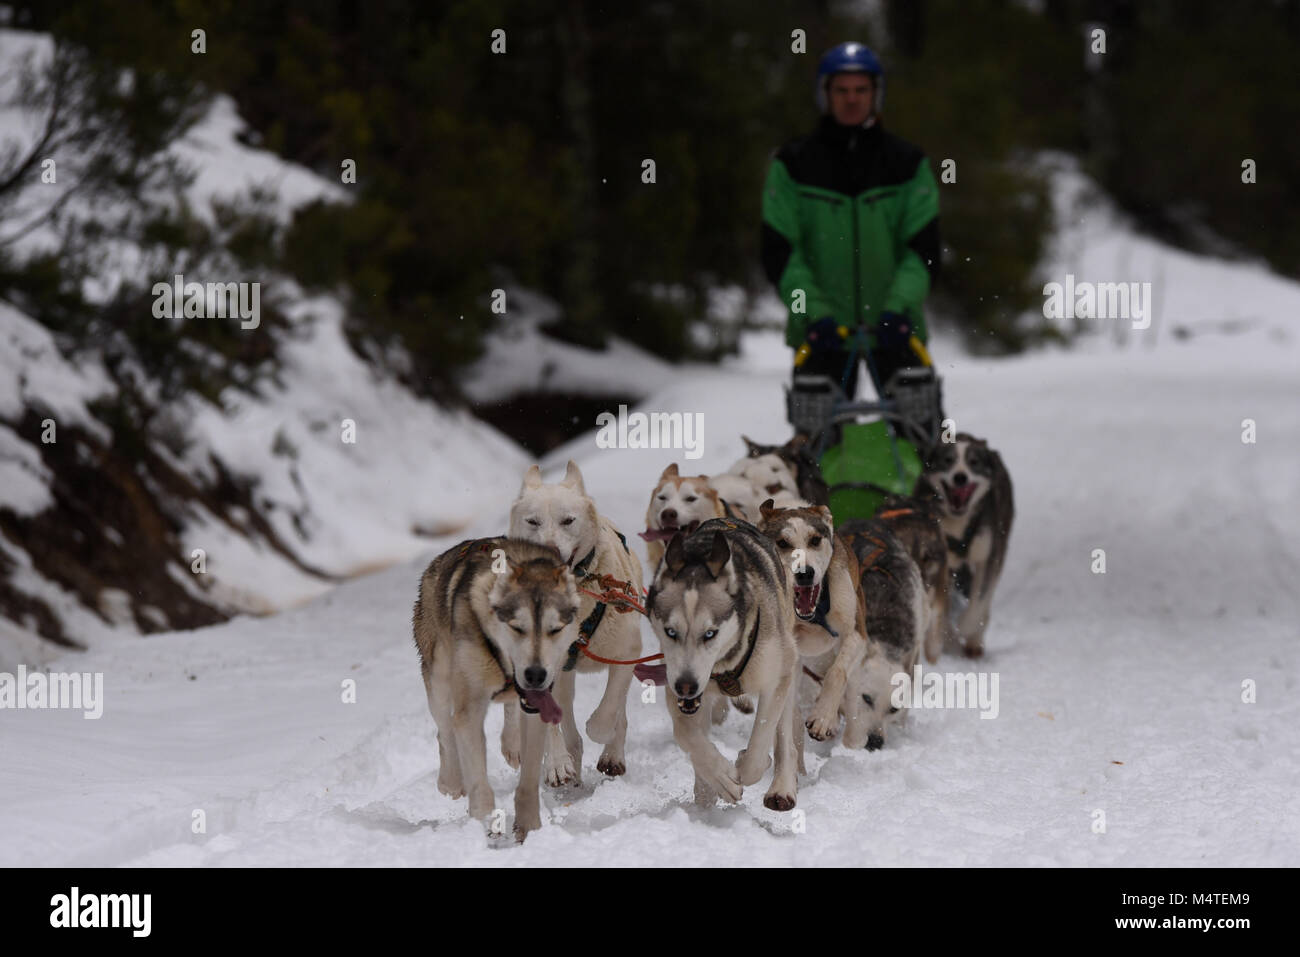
(588, 627)
(868, 564)
(729, 681)
(962, 545)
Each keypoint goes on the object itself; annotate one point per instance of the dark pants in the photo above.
(832, 364)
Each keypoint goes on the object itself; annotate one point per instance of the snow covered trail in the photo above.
(1119, 693)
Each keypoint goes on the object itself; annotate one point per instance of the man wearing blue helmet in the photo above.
(851, 228)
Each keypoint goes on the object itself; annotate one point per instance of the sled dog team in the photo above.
(753, 590)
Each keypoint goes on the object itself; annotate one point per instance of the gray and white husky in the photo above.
(895, 598)
(972, 490)
(722, 605)
(917, 524)
(563, 515)
(493, 622)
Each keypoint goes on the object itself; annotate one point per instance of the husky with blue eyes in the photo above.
(722, 605)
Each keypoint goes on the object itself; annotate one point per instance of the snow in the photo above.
(1119, 692)
(519, 358)
(341, 508)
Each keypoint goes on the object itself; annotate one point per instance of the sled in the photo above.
(867, 450)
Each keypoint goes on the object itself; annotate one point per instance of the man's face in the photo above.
(851, 97)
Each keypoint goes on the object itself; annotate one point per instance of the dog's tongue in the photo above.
(961, 494)
(657, 534)
(546, 706)
(647, 672)
(805, 599)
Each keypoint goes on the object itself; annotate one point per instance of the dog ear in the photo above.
(532, 478)
(797, 442)
(826, 514)
(755, 450)
(675, 555)
(573, 477)
(670, 472)
(767, 508)
(719, 555)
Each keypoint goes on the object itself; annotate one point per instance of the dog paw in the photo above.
(821, 728)
(451, 787)
(560, 771)
(613, 767)
(525, 821)
(744, 704)
(721, 781)
(750, 766)
(521, 831)
(776, 801)
(875, 741)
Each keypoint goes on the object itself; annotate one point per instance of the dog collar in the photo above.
(581, 570)
(729, 681)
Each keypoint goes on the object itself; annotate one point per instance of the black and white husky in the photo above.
(972, 489)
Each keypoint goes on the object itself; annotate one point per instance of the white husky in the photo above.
(564, 516)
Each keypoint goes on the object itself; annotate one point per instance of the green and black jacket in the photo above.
(851, 217)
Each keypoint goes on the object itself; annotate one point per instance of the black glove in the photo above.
(824, 335)
(892, 334)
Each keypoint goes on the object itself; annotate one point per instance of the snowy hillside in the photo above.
(323, 467)
(1119, 693)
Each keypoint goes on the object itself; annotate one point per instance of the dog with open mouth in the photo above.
(679, 503)
(564, 516)
(971, 489)
(722, 605)
(917, 524)
(829, 610)
(493, 622)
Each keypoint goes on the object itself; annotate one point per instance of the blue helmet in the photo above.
(849, 58)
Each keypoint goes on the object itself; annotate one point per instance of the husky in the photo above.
(894, 596)
(829, 610)
(916, 523)
(564, 516)
(678, 503)
(493, 622)
(768, 475)
(971, 488)
(811, 486)
(722, 604)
